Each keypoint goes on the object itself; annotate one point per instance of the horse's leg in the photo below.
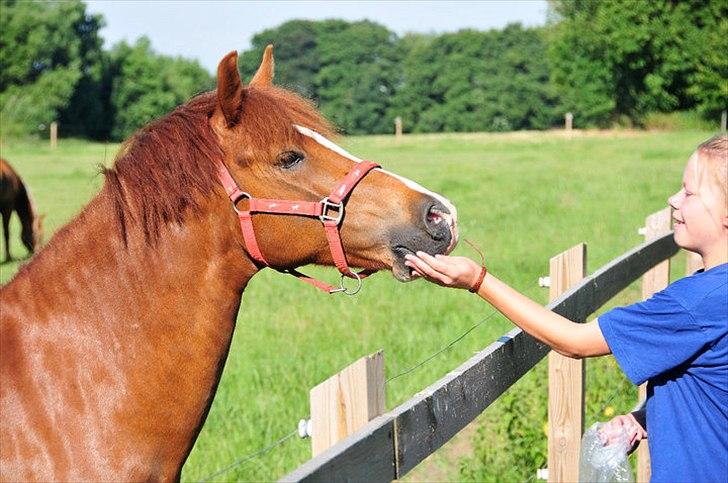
(6, 231)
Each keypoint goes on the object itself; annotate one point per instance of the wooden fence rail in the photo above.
(391, 445)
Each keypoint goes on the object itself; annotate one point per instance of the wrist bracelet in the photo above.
(479, 282)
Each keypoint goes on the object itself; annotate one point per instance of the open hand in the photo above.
(448, 271)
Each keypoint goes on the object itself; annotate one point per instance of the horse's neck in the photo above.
(153, 323)
(24, 206)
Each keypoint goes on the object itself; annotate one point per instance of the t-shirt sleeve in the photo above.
(651, 337)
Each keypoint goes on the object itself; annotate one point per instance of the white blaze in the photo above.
(450, 218)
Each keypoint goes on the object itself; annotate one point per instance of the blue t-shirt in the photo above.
(677, 341)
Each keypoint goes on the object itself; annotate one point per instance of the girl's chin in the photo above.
(681, 238)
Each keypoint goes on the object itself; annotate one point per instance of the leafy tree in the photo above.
(357, 77)
(615, 61)
(48, 50)
(296, 54)
(347, 68)
(146, 86)
(476, 81)
(708, 85)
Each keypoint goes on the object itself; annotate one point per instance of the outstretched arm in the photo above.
(564, 336)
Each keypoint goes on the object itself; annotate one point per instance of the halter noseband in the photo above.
(329, 210)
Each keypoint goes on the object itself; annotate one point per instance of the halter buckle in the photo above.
(325, 205)
(346, 291)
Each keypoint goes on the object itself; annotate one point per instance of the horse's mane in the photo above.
(163, 168)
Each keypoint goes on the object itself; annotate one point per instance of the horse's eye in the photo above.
(290, 159)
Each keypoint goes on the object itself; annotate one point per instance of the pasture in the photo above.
(522, 197)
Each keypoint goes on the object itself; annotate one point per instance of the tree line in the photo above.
(607, 62)
(53, 68)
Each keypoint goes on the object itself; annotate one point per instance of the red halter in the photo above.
(329, 210)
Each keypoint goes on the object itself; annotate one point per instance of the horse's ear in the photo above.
(229, 89)
(264, 76)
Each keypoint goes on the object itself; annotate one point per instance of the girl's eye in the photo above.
(290, 159)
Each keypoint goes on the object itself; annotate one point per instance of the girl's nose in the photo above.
(674, 200)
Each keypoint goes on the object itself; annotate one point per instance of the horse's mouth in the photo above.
(402, 272)
(435, 233)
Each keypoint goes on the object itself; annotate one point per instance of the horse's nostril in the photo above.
(433, 217)
(435, 220)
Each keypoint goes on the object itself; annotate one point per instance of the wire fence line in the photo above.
(249, 457)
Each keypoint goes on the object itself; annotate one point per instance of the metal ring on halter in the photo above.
(346, 291)
(240, 196)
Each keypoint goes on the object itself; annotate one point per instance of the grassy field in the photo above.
(522, 197)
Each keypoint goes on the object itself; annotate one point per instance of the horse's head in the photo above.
(276, 146)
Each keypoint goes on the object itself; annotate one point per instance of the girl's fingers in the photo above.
(415, 271)
(422, 267)
(435, 263)
(632, 436)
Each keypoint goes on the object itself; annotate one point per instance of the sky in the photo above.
(207, 30)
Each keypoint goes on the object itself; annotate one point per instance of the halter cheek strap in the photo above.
(330, 210)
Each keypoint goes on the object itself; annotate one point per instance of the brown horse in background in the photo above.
(115, 336)
(14, 196)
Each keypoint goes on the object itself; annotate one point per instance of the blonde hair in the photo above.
(712, 163)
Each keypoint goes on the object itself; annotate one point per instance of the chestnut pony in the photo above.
(114, 337)
(15, 197)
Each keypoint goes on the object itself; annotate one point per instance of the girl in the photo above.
(676, 340)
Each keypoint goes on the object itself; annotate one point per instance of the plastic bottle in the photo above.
(601, 462)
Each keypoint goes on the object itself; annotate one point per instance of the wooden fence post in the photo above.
(54, 135)
(657, 278)
(566, 379)
(693, 263)
(568, 121)
(347, 401)
(398, 127)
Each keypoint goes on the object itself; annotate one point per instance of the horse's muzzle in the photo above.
(434, 233)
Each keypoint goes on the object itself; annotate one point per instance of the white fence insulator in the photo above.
(542, 474)
(305, 428)
(544, 281)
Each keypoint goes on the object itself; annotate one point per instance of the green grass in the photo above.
(522, 197)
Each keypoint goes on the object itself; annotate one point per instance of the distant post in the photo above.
(568, 121)
(54, 135)
(398, 127)
(723, 120)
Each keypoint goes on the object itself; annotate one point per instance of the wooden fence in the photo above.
(392, 444)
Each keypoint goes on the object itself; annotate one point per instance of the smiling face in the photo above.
(700, 213)
(278, 147)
